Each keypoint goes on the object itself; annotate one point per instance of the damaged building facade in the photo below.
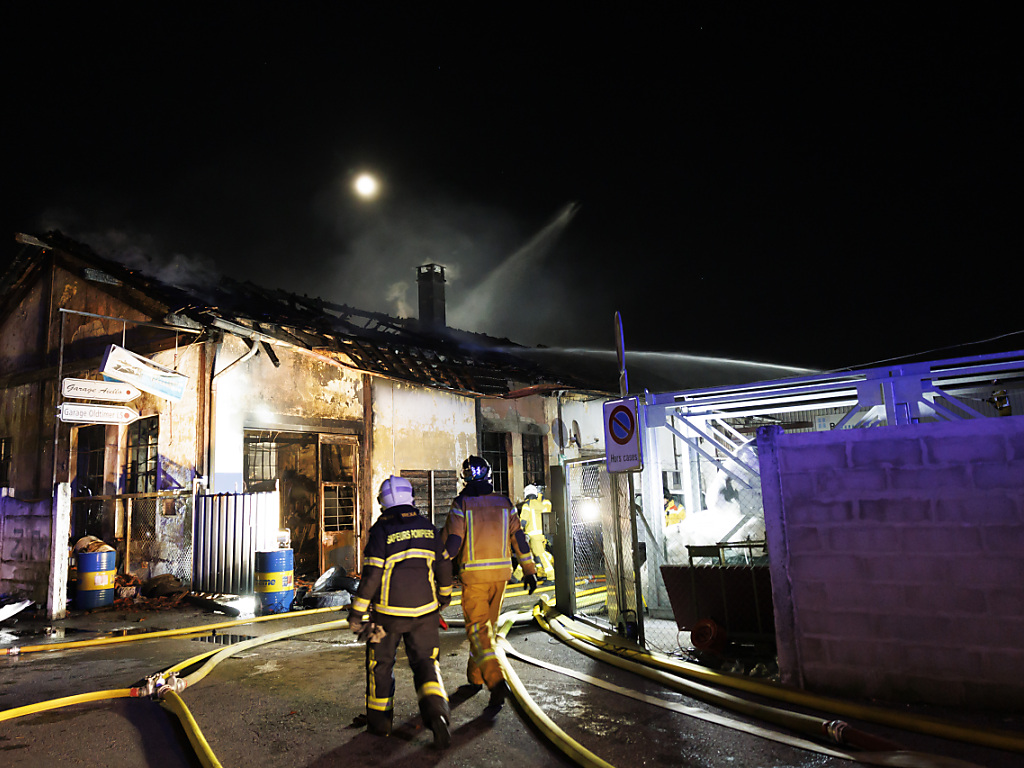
(236, 400)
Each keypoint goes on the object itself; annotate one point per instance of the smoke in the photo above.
(139, 251)
(487, 306)
(489, 271)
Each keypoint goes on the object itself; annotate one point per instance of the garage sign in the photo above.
(622, 436)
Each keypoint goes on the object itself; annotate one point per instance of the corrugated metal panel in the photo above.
(229, 529)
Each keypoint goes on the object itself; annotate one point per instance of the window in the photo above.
(142, 465)
(494, 448)
(86, 513)
(338, 473)
(533, 460)
(5, 462)
(260, 461)
(432, 491)
(90, 460)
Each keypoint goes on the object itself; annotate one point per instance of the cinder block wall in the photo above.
(897, 560)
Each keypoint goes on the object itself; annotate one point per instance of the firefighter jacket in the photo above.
(404, 571)
(482, 532)
(532, 515)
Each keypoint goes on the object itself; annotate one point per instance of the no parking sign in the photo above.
(621, 436)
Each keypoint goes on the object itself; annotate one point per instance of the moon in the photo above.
(366, 186)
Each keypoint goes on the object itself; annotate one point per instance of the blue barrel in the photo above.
(275, 584)
(96, 572)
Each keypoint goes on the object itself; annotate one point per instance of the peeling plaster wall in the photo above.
(303, 394)
(589, 416)
(418, 428)
(181, 423)
(518, 417)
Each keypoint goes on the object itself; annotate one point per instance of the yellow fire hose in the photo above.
(17, 650)
(581, 638)
(611, 649)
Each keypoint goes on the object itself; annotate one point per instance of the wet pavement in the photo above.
(296, 702)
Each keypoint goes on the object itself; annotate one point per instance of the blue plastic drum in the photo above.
(275, 583)
(96, 572)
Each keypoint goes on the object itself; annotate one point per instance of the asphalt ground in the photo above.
(297, 702)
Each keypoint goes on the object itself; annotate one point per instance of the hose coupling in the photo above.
(172, 683)
(834, 730)
(156, 685)
(14, 650)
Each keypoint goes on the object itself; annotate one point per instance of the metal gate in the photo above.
(604, 562)
(229, 530)
(152, 532)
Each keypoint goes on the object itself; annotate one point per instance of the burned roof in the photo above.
(372, 342)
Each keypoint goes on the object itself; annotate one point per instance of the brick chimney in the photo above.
(430, 279)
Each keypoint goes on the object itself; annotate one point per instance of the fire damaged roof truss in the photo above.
(371, 342)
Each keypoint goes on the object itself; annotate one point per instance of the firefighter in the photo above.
(532, 519)
(481, 533)
(674, 511)
(408, 580)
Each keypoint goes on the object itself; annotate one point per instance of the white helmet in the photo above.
(394, 491)
(531, 490)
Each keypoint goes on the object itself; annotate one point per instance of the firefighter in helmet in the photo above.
(407, 580)
(531, 516)
(481, 534)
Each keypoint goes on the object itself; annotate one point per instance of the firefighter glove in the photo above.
(355, 621)
(530, 581)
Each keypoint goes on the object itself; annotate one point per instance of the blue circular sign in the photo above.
(621, 424)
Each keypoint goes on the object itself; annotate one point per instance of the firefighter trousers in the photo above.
(481, 606)
(420, 635)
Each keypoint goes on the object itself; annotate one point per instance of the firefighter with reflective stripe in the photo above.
(408, 580)
(531, 516)
(481, 533)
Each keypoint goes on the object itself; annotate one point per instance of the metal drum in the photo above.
(275, 583)
(95, 579)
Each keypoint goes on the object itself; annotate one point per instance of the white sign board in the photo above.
(122, 365)
(86, 413)
(622, 436)
(90, 389)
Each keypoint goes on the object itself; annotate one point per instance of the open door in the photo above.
(340, 537)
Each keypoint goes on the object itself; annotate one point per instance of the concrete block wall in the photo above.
(897, 560)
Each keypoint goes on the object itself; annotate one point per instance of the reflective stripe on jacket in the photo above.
(532, 516)
(403, 572)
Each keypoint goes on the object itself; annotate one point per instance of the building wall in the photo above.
(304, 393)
(25, 547)
(897, 560)
(418, 429)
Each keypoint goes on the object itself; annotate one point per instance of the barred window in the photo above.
(260, 460)
(142, 465)
(494, 448)
(533, 460)
(338, 475)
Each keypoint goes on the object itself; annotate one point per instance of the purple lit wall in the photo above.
(897, 560)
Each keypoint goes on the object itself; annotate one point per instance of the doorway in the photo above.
(316, 476)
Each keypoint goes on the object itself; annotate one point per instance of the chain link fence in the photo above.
(602, 545)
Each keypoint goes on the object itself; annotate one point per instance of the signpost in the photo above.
(86, 413)
(91, 389)
(622, 454)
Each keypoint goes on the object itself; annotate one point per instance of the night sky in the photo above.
(821, 188)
